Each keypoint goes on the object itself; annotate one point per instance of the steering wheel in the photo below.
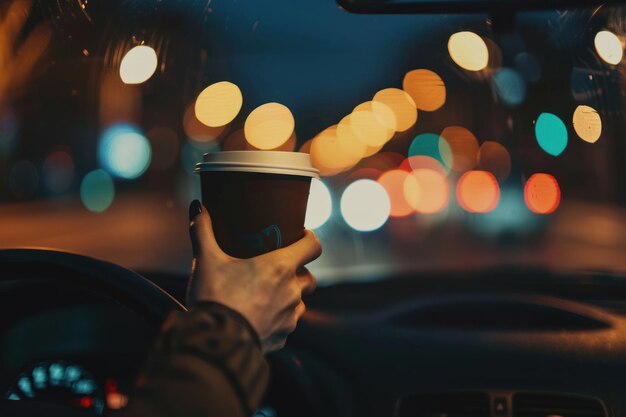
(104, 278)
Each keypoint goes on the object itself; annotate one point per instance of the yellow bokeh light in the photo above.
(587, 123)
(494, 158)
(368, 128)
(288, 146)
(400, 102)
(269, 126)
(426, 88)
(468, 51)
(609, 47)
(348, 140)
(218, 104)
(384, 113)
(426, 190)
(138, 65)
(328, 156)
(463, 146)
(198, 131)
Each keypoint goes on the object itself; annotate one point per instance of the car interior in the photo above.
(471, 203)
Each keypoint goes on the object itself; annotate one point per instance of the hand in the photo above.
(266, 290)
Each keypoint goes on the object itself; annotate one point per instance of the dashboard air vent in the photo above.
(456, 404)
(544, 405)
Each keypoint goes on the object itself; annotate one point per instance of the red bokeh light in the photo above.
(542, 193)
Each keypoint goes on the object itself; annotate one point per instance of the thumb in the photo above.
(203, 241)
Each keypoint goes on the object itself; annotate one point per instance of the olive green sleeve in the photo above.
(207, 362)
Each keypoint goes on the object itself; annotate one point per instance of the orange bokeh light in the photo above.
(426, 88)
(422, 162)
(393, 181)
(426, 190)
(478, 192)
(328, 156)
(542, 193)
(400, 102)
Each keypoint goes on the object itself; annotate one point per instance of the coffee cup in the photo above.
(257, 199)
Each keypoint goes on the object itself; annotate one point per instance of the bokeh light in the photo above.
(420, 161)
(587, 123)
(138, 65)
(23, 179)
(478, 192)
(551, 133)
(328, 155)
(383, 112)
(365, 205)
(218, 104)
(400, 102)
(468, 51)
(463, 146)
(528, 66)
(269, 126)
(288, 146)
(393, 181)
(320, 205)
(165, 147)
(198, 131)
(58, 171)
(124, 152)
(509, 86)
(495, 158)
(431, 145)
(609, 47)
(426, 191)
(97, 191)
(426, 88)
(348, 141)
(367, 128)
(542, 193)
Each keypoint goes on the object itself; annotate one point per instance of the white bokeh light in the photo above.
(365, 205)
(609, 47)
(319, 207)
(138, 65)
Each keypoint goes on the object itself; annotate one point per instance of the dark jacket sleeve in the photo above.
(207, 362)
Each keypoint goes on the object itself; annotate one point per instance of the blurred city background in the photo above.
(444, 142)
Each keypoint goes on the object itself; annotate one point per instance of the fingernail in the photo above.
(195, 208)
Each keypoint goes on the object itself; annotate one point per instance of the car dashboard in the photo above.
(498, 344)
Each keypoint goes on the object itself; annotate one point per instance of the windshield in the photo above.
(444, 142)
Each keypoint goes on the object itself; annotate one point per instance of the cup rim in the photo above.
(272, 162)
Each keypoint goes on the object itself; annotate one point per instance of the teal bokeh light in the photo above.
(551, 133)
(434, 146)
(124, 152)
(97, 191)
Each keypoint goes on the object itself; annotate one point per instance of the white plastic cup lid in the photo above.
(265, 162)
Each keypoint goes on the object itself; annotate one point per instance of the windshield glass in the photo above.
(444, 142)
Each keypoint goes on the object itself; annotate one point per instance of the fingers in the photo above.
(201, 232)
(289, 323)
(307, 281)
(301, 252)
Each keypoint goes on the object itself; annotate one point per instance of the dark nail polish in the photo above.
(195, 208)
